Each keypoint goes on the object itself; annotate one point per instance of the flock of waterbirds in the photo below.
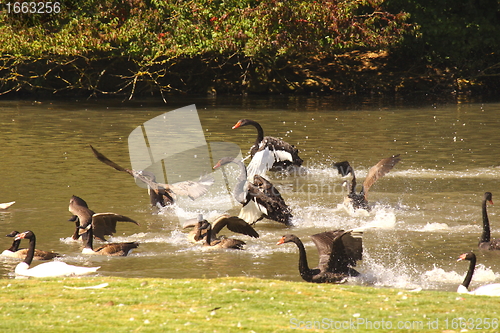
(338, 250)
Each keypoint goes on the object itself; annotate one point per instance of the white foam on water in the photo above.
(446, 174)
(435, 226)
(69, 240)
(383, 218)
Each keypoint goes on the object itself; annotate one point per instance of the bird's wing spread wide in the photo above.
(379, 170)
(235, 224)
(105, 223)
(324, 243)
(190, 188)
(107, 161)
(251, 212)
(262, 161)
(335, 256)
(353, 246)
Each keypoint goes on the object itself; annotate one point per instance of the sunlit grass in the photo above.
(229, 305)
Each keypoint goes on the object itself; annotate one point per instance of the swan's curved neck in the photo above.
(304, 269)
(31, 251)
(243, 170)
(260, 132)
(239, 191)
(470, 272)
(485, 237)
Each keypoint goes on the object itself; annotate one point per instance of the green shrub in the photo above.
(162, 33)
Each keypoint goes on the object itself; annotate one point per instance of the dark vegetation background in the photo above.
(136, 48)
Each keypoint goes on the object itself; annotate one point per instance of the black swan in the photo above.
(485, 242)
(103, 224)
(160, 194)
(338, 252)
(48, 269)
(222, 243)
(259, 198)
(487, 290)
(110, 249)
(269, 153)
(233, 223)
(360, 201)
(15, 252)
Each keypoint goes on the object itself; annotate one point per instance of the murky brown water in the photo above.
(427, 209)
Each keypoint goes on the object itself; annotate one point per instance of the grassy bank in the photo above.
(232, 305)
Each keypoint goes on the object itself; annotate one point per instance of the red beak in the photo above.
(238, 124)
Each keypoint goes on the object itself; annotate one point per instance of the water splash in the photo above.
(393, 272)
(384, 218)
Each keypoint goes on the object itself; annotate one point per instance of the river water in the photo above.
(426, 212)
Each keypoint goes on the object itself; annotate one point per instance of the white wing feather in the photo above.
(252, 212)
(262, 161)
(282, 155)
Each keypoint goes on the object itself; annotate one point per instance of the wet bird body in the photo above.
(360, 200)
(338, 251)
(103, 224)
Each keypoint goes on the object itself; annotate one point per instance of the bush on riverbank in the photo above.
(135, 47)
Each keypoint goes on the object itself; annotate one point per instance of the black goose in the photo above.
(259, 198)
(360, 201)
(269, 153)
(103, 224)
(485, 242)
(216, 243)
(160, 194)
(15, 252)
(110, 249)
(233, 223)
(492, 289)
(338, 252)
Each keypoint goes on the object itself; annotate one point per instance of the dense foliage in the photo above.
(133, 46)
(461, 36)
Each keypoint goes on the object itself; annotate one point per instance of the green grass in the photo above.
(231, 305)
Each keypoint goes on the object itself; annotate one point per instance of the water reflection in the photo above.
(427, 208)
